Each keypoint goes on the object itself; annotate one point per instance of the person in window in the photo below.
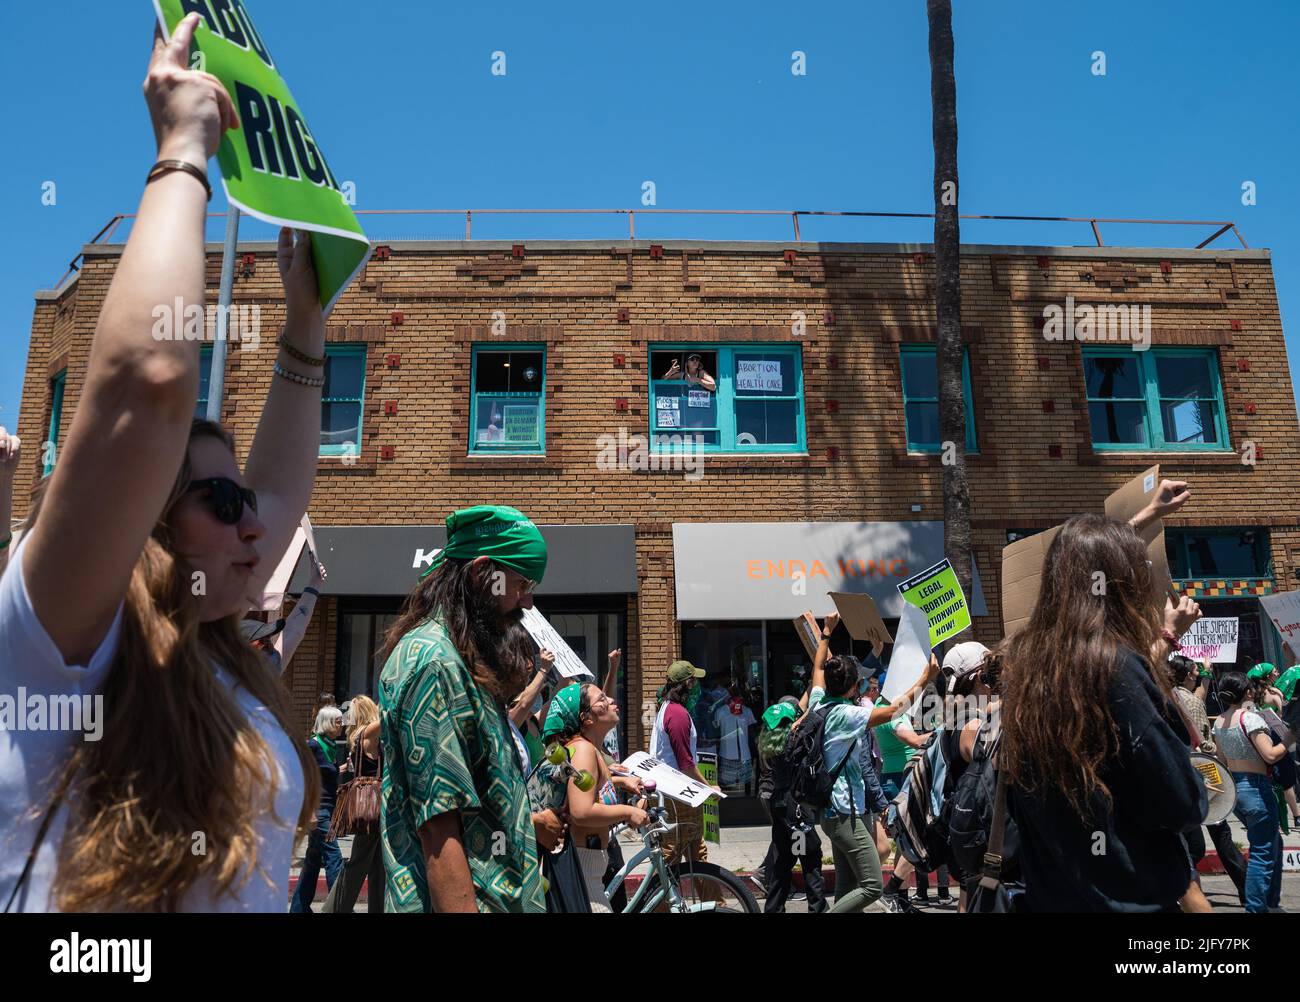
(694, 376)
(1244, 741)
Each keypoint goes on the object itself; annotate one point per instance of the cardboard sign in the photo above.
(567, 663)
(1214, 638)
(272, 167)
(1022, 576)
(937, 593)
(810, 633)
(1284, 612)
(671, 783)
(1127, 502)
(862, 618)
(911, 653)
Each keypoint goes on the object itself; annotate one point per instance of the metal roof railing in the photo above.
(106, 234)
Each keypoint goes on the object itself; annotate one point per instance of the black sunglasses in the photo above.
(226, 497)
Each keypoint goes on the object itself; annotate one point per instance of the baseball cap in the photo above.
(963, 661)
(777, 712)
(680, 671)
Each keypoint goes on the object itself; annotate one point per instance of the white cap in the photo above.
(964, 659)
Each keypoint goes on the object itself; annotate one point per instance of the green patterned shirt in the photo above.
(447, 747)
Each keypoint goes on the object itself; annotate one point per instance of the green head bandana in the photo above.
(777, 712)
(566, 708)
(504, 535)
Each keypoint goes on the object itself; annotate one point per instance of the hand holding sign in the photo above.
(190, 110)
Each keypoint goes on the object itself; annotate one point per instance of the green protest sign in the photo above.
(707, 763)
(937, 593)
(272, 167)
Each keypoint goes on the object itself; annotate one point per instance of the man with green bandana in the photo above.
(457, 831)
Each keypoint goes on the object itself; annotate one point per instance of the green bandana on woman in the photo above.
(505, 535)
(564, 714)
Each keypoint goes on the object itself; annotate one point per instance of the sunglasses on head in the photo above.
(226, 498)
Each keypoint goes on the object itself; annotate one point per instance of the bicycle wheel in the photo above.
(707, 887)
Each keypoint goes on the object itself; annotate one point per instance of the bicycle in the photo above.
(687, 886)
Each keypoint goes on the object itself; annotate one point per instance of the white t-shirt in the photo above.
(733, 731)
(31, 762)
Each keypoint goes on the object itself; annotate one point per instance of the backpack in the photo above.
(813, 779)
(916, 814)
(970, 812)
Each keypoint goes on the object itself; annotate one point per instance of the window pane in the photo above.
(920, 376)
(508, 372)
(1112, 376)
(923, 424)
(769, 422)
(340, 424)
(679, 405)
(1184, 376)
(344, 374)
(765, 374)
(661, 363)
(1119, 422)
(1224, 554)
(679, 440)
(1189, 422)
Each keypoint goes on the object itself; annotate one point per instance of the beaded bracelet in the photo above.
(301, 356)
(293, 377)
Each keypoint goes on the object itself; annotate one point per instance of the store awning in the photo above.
(389, 559)
(752, 570)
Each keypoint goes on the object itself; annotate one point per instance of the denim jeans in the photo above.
(1256, 808)
(318, 850)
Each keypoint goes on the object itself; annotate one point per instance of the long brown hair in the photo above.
(1097, 598)
(178, 757)
(459, 594)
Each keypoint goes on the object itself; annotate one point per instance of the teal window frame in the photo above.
(506, 448)
(1178, 547)
(205, 369)
(57, 385)
(725, 377)
(346, 351)
(1155, 429)
(972, 439)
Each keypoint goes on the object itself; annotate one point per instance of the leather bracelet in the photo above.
(166, 166)
(293, 377)
(310, 590)
(300, 356)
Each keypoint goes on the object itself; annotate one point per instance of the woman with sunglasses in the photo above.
(128, 587)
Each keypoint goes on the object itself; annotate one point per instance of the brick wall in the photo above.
(591, 303)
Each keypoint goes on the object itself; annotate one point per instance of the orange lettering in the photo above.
(898, 568)
(776, 568)
(755, 569)
(803, 571)
(846, 568)
(817, 568)
(876, 567)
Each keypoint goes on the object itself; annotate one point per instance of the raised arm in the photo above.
(131, 428)
(818, 680)
(523, 706)
(282, 462)
(611, 674)
(1171, 496)
(295, 627)
(884, 714)
(10, 453)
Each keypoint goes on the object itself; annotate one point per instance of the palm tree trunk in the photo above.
(947, 287)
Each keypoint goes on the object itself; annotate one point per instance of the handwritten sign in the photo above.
(671, 782)
(667, 412)
(1284, 611)
(698, 398)
(759, 375)
(567, 663)
(1214, 638)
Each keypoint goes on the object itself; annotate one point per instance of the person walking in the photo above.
(365, 864)
(328, 752)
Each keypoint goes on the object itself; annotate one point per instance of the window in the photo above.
(1218, 553)
(726, 399)
(341, 400)
(205, 378)
(508, 410)
(1164, 398)
(56, 416)
(921, 398)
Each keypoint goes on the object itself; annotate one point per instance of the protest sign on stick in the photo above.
(567, 662)
(272, 167)
(938, 594)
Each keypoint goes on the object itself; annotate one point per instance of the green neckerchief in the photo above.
(324, 747)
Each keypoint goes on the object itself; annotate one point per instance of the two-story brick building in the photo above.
(531, 374)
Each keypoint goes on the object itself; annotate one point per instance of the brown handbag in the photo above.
(356, 808)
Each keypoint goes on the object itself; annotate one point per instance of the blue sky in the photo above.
(699, 98)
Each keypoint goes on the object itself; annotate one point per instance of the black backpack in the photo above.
(970, 813)
(811, 778)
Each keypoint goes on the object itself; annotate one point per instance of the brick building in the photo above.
(465, 372)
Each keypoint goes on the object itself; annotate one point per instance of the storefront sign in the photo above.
(670, 782)
(271, 166)
(752, 374)
(707, 763)
(937, 593)
(567, 663)
(779, 570)
(1284, 611)
(1213, 638)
